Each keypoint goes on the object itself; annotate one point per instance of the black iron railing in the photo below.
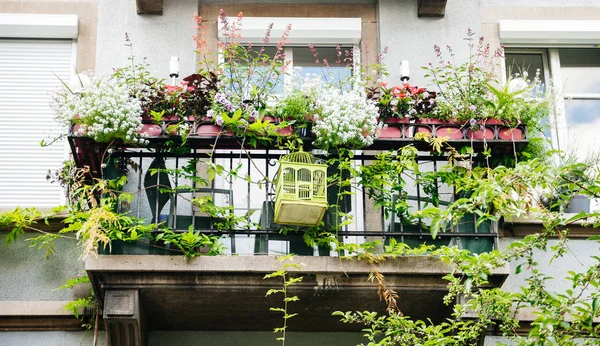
(164, 193)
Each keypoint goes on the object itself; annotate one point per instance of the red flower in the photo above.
(171, 88)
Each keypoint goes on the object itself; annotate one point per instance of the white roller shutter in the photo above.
(27, 79)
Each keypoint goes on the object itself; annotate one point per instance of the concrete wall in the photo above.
(86, 10)
(155, 38)
(50, 338)
(577, 259)
(411, 38)
(26, 274)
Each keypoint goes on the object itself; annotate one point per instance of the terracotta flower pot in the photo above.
(449, 129)
(510, 133)
(152, 130)
(208, 130)
(271, 119)
(392, 128)
(286, 131)
(483, 132)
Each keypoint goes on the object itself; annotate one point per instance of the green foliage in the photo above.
(84, 309)
(191, 243)
(75, 281)
(288, 280)
(295, 106)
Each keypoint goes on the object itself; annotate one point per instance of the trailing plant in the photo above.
(87, 304)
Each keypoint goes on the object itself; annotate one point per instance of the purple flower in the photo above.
(210, 113)
(219, 121)
(472, 108)
(472, 122)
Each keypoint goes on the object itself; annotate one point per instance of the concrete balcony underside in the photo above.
(228, 293)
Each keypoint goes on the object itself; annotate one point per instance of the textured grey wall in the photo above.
(411, 38)
(540, 3)
(576, 259)
(25, 274)
(156, 38)
(50, 338)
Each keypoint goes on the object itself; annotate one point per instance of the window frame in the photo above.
(547, 37)
(43, 27)
(348, 34)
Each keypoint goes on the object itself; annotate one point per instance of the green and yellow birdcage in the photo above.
(301, 195)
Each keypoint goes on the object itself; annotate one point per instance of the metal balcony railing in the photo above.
(168, 199)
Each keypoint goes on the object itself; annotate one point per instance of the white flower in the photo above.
(103, 106)
(516, 85)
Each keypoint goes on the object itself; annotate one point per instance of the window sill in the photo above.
(523, 226)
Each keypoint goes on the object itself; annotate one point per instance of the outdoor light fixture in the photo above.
(174, 68)
(404, 71)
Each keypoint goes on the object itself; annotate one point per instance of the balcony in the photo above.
(229, 290)
(163, 194)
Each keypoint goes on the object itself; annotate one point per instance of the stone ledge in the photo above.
(523, 226)
(34, 308)
(37, 316)
(228, 292)
(414, 265)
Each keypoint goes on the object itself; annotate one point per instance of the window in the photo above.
(568, 52)
(576, 77)
(325, 34)
(36, 49)
(580, 78)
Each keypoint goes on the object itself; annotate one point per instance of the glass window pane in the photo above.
(256, 74)
(313, 62)
(583, 121)
(518, 63)
(580, 69)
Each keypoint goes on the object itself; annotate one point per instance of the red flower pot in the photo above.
(392, 128)
(510, 133)
(151, 130)
(448, 129)
(483, 132)
(208, 130)
(286, 131)
(390, 132)
(270, 119)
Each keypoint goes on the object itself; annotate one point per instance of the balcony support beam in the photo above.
(123, 318)
(432, 8)
(229, 291)
(149, 7)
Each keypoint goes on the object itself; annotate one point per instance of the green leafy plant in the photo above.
(288, 281)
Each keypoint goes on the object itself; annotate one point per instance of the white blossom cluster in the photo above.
(345, 118)
(104, 109)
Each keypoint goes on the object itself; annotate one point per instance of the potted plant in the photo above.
(463, 87)
(398, 104)
(101, 108)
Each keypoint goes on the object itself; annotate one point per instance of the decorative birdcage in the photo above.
(301, 195)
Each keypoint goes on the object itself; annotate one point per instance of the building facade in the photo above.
(158, 300)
